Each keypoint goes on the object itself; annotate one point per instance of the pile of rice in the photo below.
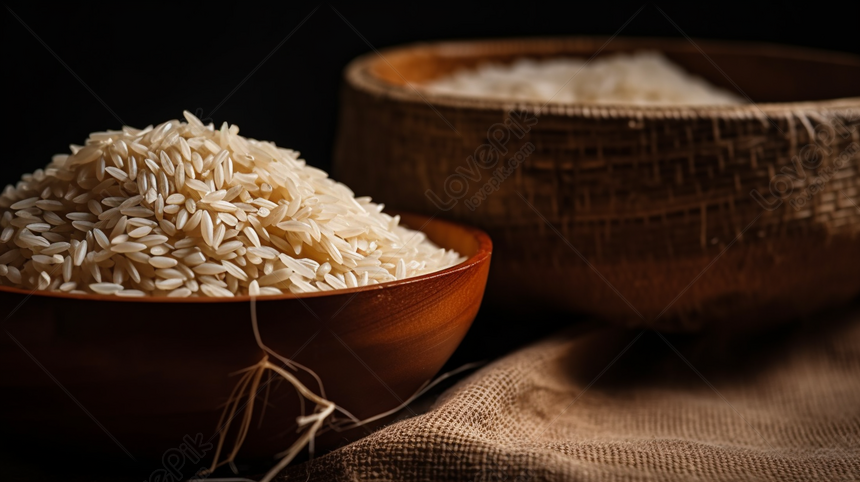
(645, 78)
(184, 209)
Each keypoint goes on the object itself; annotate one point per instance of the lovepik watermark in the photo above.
(486, 160)
(190, 451)
(810, 157)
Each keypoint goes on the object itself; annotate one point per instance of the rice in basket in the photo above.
(183, 209)
(645, 78)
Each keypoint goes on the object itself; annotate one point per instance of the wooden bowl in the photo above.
(153, 370)
(655, 216)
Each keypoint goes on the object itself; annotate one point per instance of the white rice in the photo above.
(644, 78)
(183, 209)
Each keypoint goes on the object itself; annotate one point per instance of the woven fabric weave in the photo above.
(785, 407)
(648, 195)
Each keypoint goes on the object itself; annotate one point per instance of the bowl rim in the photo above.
(482, 255)
(358, 73)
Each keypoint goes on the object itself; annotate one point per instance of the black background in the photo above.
(144, 63)
(147, 61)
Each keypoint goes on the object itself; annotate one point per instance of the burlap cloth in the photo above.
(781, 407)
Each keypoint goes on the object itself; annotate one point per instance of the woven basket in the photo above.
(668, 217)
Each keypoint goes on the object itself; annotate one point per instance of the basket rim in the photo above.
(358, 74)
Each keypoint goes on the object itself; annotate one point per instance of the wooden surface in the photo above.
(152, 371)
(619, 211)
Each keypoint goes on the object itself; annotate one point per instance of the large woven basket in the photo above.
(670, 217)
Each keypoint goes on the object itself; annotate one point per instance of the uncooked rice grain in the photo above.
(183, 210)
(643, 78)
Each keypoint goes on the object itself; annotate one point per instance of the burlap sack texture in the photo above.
(783, 407)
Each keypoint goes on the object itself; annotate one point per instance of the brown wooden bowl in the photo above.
(152, 370)
(619, 210)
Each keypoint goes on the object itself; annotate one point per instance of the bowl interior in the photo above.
(766, 73)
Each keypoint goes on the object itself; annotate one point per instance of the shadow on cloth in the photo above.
(682, 359)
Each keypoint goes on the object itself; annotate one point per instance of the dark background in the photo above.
(144, 63)
(147, 62)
